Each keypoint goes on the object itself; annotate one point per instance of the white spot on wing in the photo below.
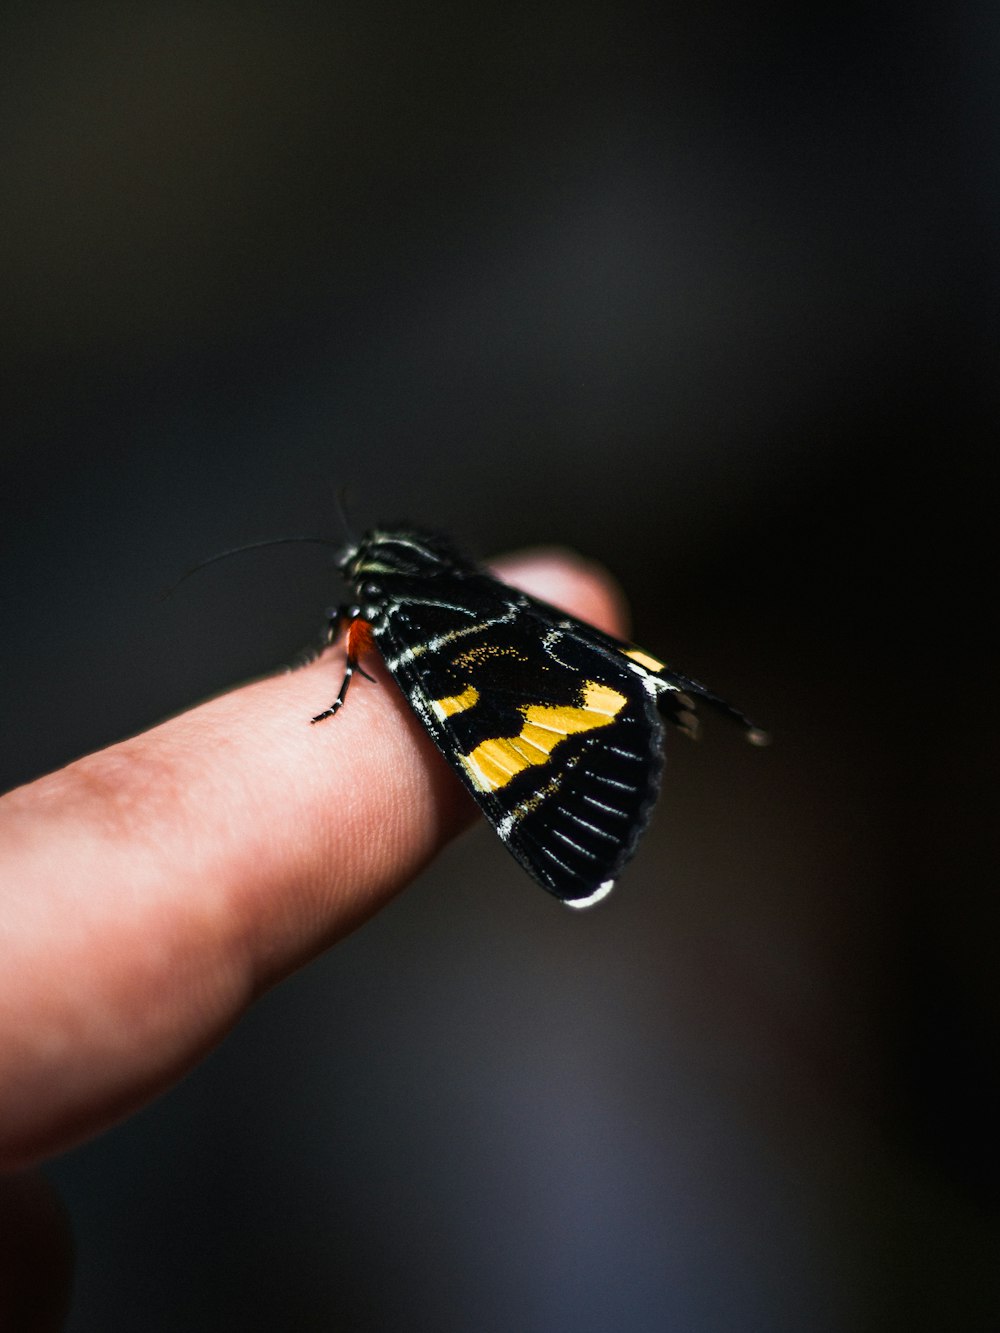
(600, 892)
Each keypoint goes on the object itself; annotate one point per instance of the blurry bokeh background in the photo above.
(708, 292)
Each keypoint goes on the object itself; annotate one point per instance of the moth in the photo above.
(554, 727)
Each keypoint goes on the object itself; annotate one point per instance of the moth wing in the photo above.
(579, 829)
(676, 695)
(557, 738)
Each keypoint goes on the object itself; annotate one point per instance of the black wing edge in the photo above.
(678, 701)
(677, 705)
(601, 800)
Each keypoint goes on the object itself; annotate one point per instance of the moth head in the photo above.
(382, 556)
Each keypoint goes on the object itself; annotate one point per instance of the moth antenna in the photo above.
(238, 550)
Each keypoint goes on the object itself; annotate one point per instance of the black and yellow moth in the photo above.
(554, 727)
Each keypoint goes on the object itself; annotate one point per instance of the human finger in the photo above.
(152, 890)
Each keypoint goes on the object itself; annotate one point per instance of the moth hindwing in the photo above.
(555, 728)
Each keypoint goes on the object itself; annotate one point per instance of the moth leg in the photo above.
(328, 635)
(359, 638)
(336, 618)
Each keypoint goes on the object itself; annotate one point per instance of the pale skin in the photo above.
(151, 891)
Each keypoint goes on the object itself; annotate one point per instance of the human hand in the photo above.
(149, 893)
(152, 890)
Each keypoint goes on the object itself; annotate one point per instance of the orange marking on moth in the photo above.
(359, 639)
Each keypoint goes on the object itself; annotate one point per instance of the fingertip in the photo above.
(210, 857)
(583, 588)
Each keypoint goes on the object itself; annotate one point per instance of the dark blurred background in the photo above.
(709, 292)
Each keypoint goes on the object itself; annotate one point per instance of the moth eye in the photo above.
(372, 590)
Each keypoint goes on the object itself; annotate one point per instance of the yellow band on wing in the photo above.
(455, 703)
(493, 763)
(644, 659)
